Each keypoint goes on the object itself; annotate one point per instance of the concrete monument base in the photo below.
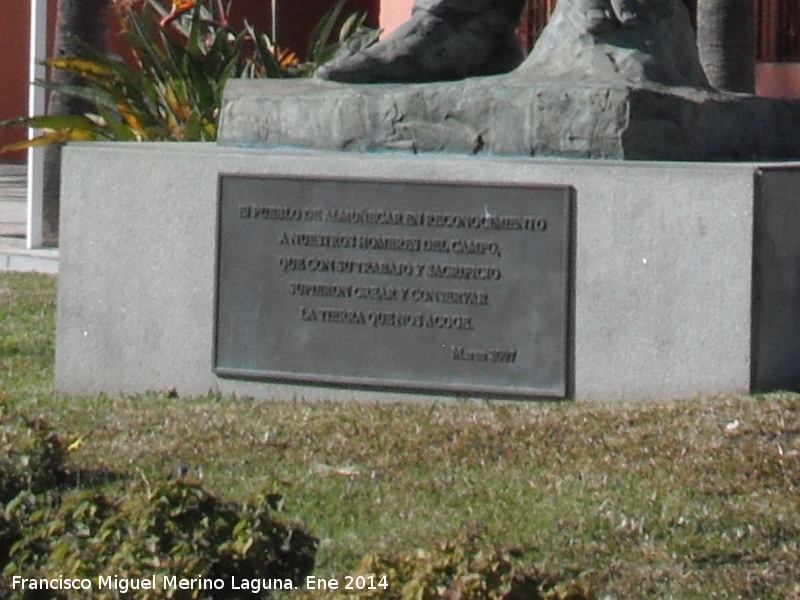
(513, 114)
(685, 274)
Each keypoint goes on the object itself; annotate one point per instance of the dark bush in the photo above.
(130, 530)
(173, 529)
(31, 456)
(135, 532)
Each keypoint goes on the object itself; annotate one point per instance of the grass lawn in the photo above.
(692, 499)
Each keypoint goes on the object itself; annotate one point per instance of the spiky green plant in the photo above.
(182, 58)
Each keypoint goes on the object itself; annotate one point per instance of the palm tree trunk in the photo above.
(726, 41)
(84, 20)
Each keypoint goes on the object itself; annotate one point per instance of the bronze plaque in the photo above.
(422, 286)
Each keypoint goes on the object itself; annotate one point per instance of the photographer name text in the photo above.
(172, 582)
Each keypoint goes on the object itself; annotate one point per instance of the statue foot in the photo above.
(443, 40)
(635, 41)
(629, 40)
(597, 16)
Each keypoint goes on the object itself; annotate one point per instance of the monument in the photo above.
(436, 215)
(605, 79)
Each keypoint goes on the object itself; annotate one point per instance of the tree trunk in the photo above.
(85, 20)
(726, 41)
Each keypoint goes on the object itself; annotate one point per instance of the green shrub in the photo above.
(465, 569)
(31, 460)
(135, 532)
(31, 456)
(182, 61)
(130, 529)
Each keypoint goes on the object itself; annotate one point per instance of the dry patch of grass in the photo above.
(688, 499)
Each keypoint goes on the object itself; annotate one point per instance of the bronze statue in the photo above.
(454, 39)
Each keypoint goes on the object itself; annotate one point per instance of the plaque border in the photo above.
(384, 384)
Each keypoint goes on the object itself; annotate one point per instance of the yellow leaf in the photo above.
(50, 137)
(72, 63)
(80, 135)
(285, 57)
(76, 443)
(176, 106)
(130, 119)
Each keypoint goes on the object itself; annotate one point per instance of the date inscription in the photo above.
(494, 355)
(443, 287)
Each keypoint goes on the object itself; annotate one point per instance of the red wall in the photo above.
(778, 80)
(14, 47)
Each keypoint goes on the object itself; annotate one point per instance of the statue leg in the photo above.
(443, 40)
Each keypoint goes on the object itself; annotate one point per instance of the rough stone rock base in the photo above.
(512, 115)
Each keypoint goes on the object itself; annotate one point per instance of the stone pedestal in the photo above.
(685, 274)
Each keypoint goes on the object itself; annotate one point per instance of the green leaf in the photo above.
(15, 122)
(193, 43)
(56, 122)
(85, 92)
(264, 51)
(322, 32)
(116, 128)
